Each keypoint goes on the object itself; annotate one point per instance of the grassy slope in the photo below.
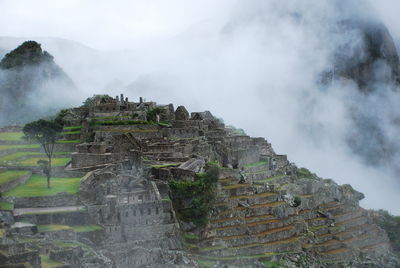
(21, 146)
(11, 136)
(10, 175)
(37, 186)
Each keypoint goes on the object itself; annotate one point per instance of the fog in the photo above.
(254, 63)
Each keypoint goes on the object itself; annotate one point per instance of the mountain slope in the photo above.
(26, 74)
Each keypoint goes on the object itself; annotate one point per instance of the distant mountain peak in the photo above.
(28, 53)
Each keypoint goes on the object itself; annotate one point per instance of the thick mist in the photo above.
(255, 63)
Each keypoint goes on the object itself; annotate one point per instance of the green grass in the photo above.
(56, 212)
(53, 227)
(46, 262)
(19, 146)
(72, 127)
(72, 132)
(86, 228)
(11, 136)
(15, 156)
(37, 186)
(190, 236)
(60, 227)
(272, 264)
(2, 233)
(68, 141)
(55, 162)
(6, 206)
(257, 164)
(11, 175)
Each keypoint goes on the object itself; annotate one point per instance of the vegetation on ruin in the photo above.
(46, 262)
(72, 132)
(76, 228)
(11, 136)
(72, 127)
(199, 193)
(304, 173)
(152, 114)
(11, 175)
(6, 206)
(68, 141)
(235, 131)
(59, 118)
(36, 186)
(165, 165)
(101, 98)
(391, 224)
(257, 164)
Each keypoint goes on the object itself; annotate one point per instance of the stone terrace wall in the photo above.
(60, 200)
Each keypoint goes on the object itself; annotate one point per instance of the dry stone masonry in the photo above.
(264, 211)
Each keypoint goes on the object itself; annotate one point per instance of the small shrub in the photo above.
(200, 194)
(152, 114)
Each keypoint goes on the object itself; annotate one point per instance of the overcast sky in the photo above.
(117, 24)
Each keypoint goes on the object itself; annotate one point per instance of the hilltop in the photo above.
(138, 184)
(26, 72)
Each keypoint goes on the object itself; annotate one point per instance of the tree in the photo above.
(44, 132)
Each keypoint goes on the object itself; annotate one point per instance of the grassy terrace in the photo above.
(6, 206)
(73, 132)
(37, 186)
(165, 165)
(46, 262)
(55, 162)
(33, 157)
(257, 164)
(11, 136)
(77, 229)
(21, 146)
(11, 175)
(71, 128)
(68, 141)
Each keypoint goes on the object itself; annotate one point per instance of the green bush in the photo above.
(200, 193)
(304, 173)
(297, 201)
(152, 114)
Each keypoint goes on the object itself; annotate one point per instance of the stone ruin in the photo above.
(275, 214)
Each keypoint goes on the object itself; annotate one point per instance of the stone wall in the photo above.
(59, 200)
(65, 147)
(64, 218)
(86, 160)
(185, 133)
